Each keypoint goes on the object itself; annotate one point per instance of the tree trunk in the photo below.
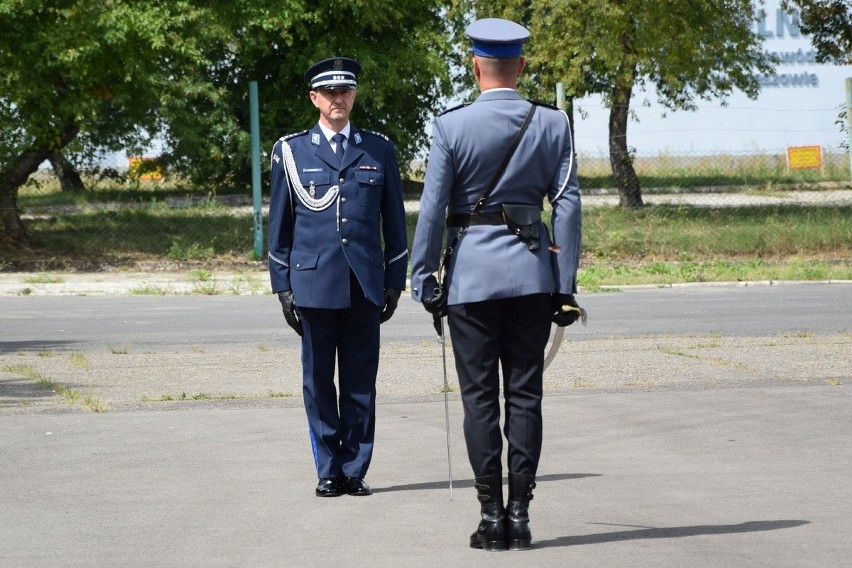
(18, 172)
(69, 177)
(626, 180)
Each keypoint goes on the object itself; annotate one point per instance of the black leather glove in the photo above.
(391, 300)
(563, 314)
(288, 306)
(437, 304)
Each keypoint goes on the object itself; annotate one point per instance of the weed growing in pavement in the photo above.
(201, 275)
(79, 360)
(207, 288)
(150, 290)
(44, 278)
(28, 372)
(215, 396)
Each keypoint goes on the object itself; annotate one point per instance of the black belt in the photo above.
(466, 219)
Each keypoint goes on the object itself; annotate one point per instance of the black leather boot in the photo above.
(521, 487)
(491, 532)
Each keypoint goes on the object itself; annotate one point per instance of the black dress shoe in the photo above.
(329, 488)
(356, 486)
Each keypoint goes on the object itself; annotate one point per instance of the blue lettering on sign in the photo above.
(793, 57)
(784, 23)
(789, 80)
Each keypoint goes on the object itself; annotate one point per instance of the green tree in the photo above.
(829, 23)
(89, 75)
(684, 49)
(85, 68)
(403, 47)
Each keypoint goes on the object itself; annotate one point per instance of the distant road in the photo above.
(153, 323)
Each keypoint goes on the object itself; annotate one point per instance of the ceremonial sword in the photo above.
(560, 333)
(438, 322)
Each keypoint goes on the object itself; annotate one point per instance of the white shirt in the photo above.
(328, 133)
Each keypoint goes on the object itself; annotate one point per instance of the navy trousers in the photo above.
(510, 335)
(342, 426)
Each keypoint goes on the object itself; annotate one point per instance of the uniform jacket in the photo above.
(363, 228)
(490, 262)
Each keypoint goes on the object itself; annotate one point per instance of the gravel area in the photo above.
(124, 380)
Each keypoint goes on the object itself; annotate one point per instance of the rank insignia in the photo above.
(357, 138)
(315, 139)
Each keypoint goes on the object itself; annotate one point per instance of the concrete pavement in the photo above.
(717, 477)
(675, 449)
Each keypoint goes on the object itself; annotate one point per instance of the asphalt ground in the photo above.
(704, 426)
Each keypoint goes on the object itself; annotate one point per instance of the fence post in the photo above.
(849, 121)
(255, 169)
(560, 96)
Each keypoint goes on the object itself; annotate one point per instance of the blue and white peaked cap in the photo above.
(333, 73)
(497, 38)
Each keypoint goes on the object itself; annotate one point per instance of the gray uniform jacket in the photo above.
(490, 262)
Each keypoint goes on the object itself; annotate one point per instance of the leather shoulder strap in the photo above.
(490, 187)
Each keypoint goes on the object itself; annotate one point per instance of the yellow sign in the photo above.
(145, 169)
(804, 157)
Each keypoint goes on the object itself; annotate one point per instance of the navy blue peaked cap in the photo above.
(497, 38)
(333, 73)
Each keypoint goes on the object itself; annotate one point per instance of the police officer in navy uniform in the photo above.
(502, 292)
(337, 260)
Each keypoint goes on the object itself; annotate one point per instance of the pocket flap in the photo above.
(317, 179)
(522, 214)
(303, 260)
(370, 177)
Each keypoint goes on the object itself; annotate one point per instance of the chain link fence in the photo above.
(128, 211)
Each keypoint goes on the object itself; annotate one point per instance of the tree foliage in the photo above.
(684, 49)
(402, 47)
(829, 23)
(84, 70)
(82, 76)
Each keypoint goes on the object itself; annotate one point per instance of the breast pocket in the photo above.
(318, 181)
(370, 185)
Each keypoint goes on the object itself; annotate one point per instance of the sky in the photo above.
(797, 108)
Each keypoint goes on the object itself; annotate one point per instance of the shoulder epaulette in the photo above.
(289, 136)
(379, 134)
(543, 104)
(451, 109)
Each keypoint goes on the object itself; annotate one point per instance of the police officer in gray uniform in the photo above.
(503, 286)
(337, 260)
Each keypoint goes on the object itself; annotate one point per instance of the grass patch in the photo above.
(244, 283)
(89, 402)
(183, 396)
(593, 275)
(44, 278)
(207, 288)
(79, 360)
(658, 244)
(144, 233)
(149, 290)
(665, 233)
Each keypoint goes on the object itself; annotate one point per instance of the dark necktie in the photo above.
(338, 139)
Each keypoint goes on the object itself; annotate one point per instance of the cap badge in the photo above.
(338, 64)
